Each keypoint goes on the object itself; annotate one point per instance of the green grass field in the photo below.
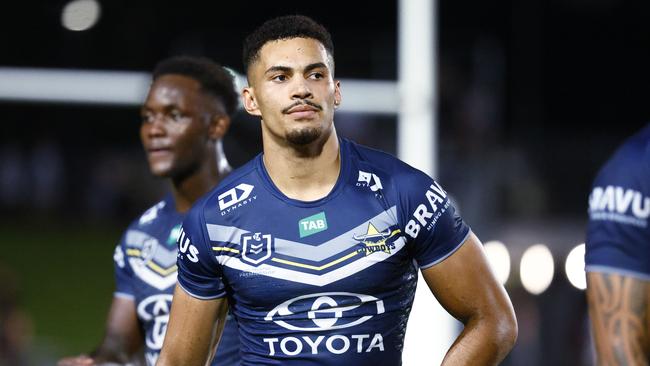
(65, 282)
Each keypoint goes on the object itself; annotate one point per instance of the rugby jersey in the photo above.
(618, 235)
(325, 282)
(145, 271)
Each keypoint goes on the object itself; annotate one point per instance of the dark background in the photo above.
(533, 97)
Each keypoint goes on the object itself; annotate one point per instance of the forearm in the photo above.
(113, 348)
(619, 308)
(193, 325)
(482, 342)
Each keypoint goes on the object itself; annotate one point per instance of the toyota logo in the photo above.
(325, 311)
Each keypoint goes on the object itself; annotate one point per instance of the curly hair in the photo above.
(214, 78)
(285, 27)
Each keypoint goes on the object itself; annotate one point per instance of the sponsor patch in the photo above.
(312, 224)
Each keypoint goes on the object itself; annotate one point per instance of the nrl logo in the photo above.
(256, 248)
(375, 240)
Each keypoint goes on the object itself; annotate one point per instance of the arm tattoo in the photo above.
(619, 308)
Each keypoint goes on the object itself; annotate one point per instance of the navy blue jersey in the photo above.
(326, 282)
(618, 236)
(145, 271)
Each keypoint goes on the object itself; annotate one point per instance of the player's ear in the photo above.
(250, 102)
(337, 93)
(218, 127)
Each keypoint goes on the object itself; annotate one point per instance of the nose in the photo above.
(155, 127)
(302, 90)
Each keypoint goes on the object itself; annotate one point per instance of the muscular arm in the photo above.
(619, 308)
(122, 338)
(465, 286)
(194, 327)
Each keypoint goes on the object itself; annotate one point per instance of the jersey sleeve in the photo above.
(618, 235)
(430, 221)
(123, 273)
(199, 274)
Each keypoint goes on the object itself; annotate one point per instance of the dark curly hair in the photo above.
(285, 27)
(214, 78)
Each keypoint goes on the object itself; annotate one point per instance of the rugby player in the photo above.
(316, 243)
(184, 118)
(617, 255)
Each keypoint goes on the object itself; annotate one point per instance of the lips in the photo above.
(302, 111)
(156, 151)
(302, 108)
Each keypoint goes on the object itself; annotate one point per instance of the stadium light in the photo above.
(575, 267)
(536, 269)
(80, 15)
(499, 258)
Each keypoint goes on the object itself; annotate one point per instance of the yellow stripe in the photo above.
(225, 249)
(314, 267)
(133, 252)
(161, 270)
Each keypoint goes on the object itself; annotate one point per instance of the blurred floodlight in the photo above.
(499, 259)
(536, 269)
(575, 267)
(80, 15)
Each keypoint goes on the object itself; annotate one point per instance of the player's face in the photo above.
(174, 130)
(292, 88)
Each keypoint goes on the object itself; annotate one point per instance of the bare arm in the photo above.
(465, 286)
(194, 327)
(619, 308)
(122, 339)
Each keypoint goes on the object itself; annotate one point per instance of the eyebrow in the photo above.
(316, 65)
(278, 68)
(310, 67)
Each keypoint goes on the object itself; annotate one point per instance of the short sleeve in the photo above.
(199, 274)
(123, 273)
(618, 236)
(431, 223)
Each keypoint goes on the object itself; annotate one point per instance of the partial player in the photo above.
(618, 255)
(184, 118)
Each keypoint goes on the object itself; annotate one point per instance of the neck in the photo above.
(187, 190)
(305, 173)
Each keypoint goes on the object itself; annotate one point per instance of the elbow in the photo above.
(506, 332)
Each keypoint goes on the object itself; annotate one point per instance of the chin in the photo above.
(304, 136)
(160, 170)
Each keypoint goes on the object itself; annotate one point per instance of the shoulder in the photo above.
(385, 165)
(630, 161)
(235, 188)
(238, 174)
(150, 216)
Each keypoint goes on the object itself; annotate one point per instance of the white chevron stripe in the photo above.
(334, 246)
(308, 278)
(152, 278)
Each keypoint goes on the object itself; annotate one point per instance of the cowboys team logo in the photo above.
(256, 248)
(375, 241)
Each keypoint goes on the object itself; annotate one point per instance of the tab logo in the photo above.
(312, 224)
(235, 195)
